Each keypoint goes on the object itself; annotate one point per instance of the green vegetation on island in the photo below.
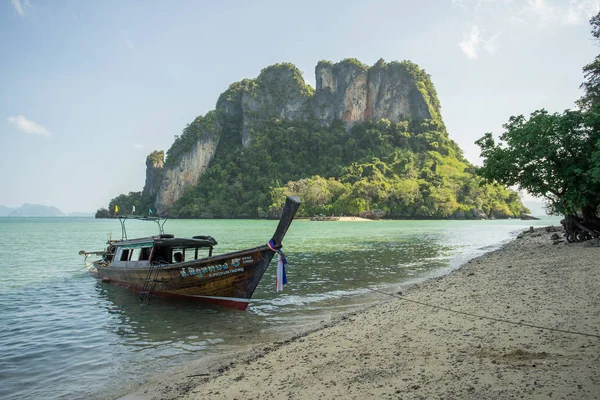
(377, 165)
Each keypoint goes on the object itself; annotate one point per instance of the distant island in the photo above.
(4, 211)
(38, 210)
(31, 210)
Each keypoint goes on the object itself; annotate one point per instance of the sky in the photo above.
(89, 88)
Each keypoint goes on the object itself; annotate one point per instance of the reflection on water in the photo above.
(65, 335)
(170, 326)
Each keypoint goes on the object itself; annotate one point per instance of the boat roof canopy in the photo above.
(200, 241)
(184, 242)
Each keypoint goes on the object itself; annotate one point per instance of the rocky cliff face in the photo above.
(279, 91)
(341, 92)
(394, 94)
(155, 163)
(186, 172)
(187, 159)
(348, 91)
(352, 92)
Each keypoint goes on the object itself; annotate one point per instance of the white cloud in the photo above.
(580, 11)
(128, 43)
(574, 12)
(18, 6)
(491, 44)
(28, 126)
(470, 43)
(542, 13)
(475, 39)
(501, 15)
(540, 6)
(21, 6)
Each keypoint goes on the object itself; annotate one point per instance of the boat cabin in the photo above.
(162, 249)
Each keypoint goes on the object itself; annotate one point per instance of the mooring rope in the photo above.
(482, 316)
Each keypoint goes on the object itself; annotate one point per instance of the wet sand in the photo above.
(519, 322)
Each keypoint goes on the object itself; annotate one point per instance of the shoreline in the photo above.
(413, 346)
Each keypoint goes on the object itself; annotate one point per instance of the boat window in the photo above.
(145, 253)
(135, 254)
(183, 254)
(124, 255)
(161, 255)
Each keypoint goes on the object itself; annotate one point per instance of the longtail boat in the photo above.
(166, 266)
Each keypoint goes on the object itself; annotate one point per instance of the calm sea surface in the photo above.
(65, 335)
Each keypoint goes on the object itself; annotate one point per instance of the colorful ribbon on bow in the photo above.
(280, 278)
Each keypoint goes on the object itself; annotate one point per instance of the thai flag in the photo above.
(280, 278)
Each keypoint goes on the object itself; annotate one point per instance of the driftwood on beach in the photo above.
(581, 229)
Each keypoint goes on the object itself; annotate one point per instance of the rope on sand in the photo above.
(484, 316)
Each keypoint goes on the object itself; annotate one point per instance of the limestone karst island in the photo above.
(366, 141)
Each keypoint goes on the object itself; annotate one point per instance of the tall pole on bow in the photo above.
(287, 215)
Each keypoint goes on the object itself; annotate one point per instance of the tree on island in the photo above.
(103, 213)
(555, 156)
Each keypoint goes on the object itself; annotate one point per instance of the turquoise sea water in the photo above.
(65, 335)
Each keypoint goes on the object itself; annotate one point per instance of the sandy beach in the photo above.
(519, 322)
(350, 219)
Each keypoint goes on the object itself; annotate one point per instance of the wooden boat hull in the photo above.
(227, 279)
(153, 265)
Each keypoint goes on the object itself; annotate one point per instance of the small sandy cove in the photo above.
(432, 342)
(350, 219)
